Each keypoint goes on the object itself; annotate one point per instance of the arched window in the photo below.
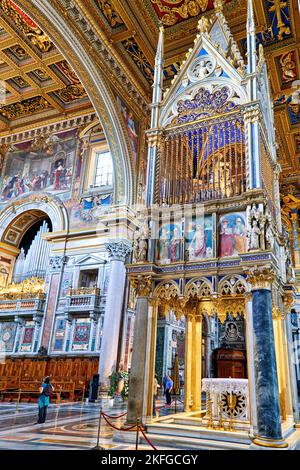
(104, 169)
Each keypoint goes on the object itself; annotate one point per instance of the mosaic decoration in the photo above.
(7, 336)
(26, 25)
(204, 104)
(109, 12)
(199, 238)
(292, 106)
(59, 334)
(288, 67)
(71, 93)
(142, 63)
(279, 23)
(81, 335)
(68, 72)
(139, 58)
(171, 12)
(88, 210)
(45, 164)
(232, 332)
(66, 283)
(25, 107)
(170, 243)
(27, 337)
(232, 235)
(131, 126)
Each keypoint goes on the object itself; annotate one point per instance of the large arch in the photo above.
(75, 48)
(38, 206)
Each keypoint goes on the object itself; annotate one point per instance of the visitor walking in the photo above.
(169, 386)
(45, 393)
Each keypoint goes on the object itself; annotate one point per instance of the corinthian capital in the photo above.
(260, 277)
(118, 249)
(142, 285)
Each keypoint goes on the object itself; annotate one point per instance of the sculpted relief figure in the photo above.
(140, 244)
(254, 233)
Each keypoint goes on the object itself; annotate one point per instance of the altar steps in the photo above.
(195, 437)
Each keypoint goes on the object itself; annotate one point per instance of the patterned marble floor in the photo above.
(68, 426)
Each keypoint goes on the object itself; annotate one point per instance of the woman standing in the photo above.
(44, 400)
(169, 386)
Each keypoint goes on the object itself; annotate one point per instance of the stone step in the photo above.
(180, 442)
(221, 439)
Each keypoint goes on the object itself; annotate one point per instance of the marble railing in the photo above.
(33, 306)
(83, 299)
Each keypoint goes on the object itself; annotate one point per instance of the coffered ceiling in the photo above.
(132, 27)
(37, 82)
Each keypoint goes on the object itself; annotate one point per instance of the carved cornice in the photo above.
(118, 250)
(260, 277)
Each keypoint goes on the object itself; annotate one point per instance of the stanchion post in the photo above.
(18, 400)
(137, 434)
(175, 404)
(58, 396)
(98, 447)
(83, 392)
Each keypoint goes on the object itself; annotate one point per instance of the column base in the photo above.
(266, 442)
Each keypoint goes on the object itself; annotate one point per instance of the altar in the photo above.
(229, 395)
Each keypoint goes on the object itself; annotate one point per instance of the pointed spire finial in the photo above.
(218, 5)
(251, 21)
(203, 25)
(251, 39)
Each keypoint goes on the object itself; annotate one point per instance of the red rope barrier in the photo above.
(146, 438)
(115, 417)
(118, 429)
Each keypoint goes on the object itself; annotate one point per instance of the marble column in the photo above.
(282, 365)
(142, 365)
(269, 432)
(20, 323)
(288, 302)
(197, 363)
(118, 250)
(250, 361)
(188, 398)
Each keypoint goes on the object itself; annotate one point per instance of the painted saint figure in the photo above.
(175, 246)
(226, 238)
(163, 245)
(240, 236)
(199, 242)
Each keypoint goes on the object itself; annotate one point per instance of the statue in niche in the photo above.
(254, 233)
(140, 244)
(290, 271)
(269, 231)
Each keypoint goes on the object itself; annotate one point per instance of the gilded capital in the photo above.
(277, 313)
(142, 285)
(260, 277)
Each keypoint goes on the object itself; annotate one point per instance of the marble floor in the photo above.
(69, 426)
